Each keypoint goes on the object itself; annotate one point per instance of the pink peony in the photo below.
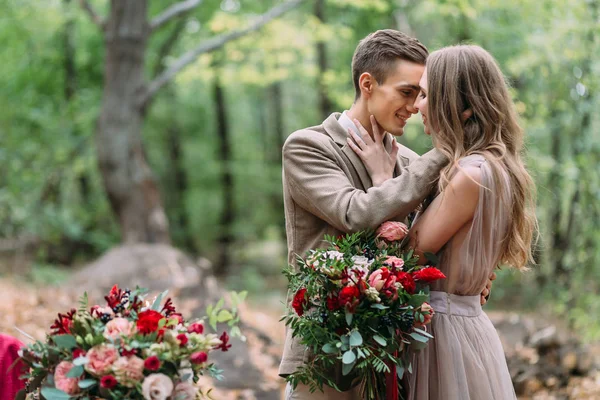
(157, 387)
(392, 231)
(101, 359)
(394, 263)
(67, 385)
(129, 370)
(185, 391)
(118, 327)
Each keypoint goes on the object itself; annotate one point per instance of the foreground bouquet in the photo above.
(360, 303)
(126, 349)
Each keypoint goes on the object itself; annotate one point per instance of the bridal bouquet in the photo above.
(362, 302)
(127, 348)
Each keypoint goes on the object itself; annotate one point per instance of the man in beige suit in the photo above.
(328, 191)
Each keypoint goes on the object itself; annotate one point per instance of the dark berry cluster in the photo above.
(105, 317)
(385, 321)
(324, 317)
(369, 253)
(123, 302)
(406, 322)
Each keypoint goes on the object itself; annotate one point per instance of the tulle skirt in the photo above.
(465, 360)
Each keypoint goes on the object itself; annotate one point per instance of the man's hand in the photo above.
(488, 288)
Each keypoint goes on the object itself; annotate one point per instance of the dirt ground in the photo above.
(32, 309)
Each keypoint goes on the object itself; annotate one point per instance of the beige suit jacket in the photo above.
(328, 191)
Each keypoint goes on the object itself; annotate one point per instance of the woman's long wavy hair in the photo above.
(471, 112)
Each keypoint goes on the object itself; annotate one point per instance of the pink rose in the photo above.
(129, 370)
(118, 327)
(185, 391)
(394, 263)
(392, 231)
(67, 385)
(101, 359)
(427, 312)
(157, 387)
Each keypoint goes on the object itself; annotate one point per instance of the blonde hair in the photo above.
(471, 112)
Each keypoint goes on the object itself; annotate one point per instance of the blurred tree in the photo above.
(130, 184)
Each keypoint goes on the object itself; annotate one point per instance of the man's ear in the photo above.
(366, 83)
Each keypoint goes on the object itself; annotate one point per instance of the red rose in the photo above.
(332, 303)
(77, 352)
(349, 297)
(300, 301)
(428, 274)
(183, 339)
(196, 327)
(108, 382)
(152, 363)
(407, 281)
(199, 357)
(148, 321)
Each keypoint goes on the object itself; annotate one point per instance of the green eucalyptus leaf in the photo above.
(349, 357)
(329, 348)
(349, 317)
(75, 372)
(356, 339)
(54, 394)
(419, 337)
(87, 383)
(347, 368)
(380, 340)
(66, 342)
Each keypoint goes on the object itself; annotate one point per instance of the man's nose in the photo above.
(412, 108)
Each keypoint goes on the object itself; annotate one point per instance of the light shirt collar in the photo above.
(347, 123)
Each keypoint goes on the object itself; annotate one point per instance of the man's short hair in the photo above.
(378, 53)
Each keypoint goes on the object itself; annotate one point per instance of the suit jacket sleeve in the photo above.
(318, 184)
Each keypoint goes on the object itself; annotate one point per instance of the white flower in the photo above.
(157, 387)
(372, 294)
(361, 261)
(334, 255)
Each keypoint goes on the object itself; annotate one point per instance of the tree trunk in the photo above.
(179, 184)
(128, 179)
(227, 215)
(325, 106)
(276, 146)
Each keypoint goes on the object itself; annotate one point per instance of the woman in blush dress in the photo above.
(482, 217)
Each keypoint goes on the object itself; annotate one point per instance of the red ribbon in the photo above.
(391, 381)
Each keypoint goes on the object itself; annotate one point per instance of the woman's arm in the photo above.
(447, 214)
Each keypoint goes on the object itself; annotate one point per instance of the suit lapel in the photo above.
(337, 133)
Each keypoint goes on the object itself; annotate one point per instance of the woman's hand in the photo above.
(379, 163)
(488, 288)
